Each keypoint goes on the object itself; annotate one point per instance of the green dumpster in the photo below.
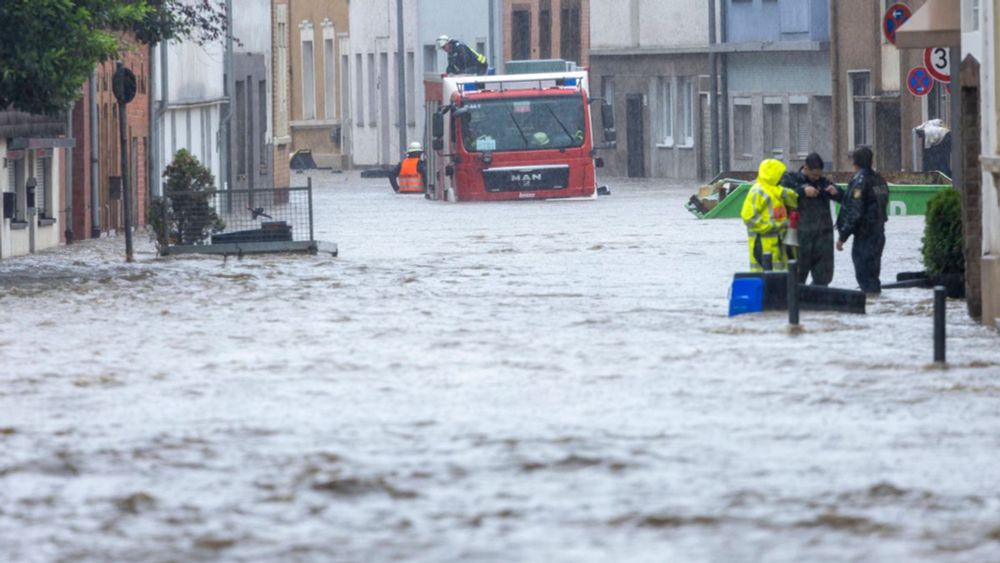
(909, 193)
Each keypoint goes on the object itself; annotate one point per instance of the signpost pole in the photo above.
(126, 191)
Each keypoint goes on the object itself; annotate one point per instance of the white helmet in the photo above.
(415, 146)
(442, 41)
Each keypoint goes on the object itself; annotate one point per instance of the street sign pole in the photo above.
(124, 87)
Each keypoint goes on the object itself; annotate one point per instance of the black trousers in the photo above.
(867, 256)
(815, 256)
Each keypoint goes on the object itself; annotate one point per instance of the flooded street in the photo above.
(473, 382)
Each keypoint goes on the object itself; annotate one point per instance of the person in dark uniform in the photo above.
(462, 59)
(815, 253)
(863, 214)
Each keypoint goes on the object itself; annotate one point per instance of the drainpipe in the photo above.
(401, 77)
(724, 143)
(95, 169)
(69, 176)
(713, 100)
(154, 147)
(492, 34)
(228, 89)
(835, 81)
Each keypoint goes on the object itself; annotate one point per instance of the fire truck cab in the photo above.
(513, 137)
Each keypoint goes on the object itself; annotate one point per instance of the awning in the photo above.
(938, 23)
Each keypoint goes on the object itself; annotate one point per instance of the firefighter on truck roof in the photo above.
(462, 59)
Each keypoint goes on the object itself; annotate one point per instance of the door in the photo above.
(705, 163)
(636, 137)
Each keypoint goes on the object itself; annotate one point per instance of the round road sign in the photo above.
(895, 16)
(123, 85)
(937, 60)
(919, 81)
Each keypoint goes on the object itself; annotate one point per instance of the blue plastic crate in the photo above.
(746, 296)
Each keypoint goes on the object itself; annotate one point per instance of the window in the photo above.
(262, 117)
(798, 127)
(520, 35)
(939, 104)
(329, 77)
(15, 177)
(430, 59)
(517, 124)
(569, 32)
(742, 128)
(608, 93)
(774, 145)
(859, 111)
(665, 110)
(545, 30)
(359, 91)
(411, 89)
(281, 120)
(345, 85)
(43, 191)
(686, 92)
(308, 73)
(372, 89)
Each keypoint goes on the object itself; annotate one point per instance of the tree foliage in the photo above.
(187, 215)
(48, 48)
(943, 249)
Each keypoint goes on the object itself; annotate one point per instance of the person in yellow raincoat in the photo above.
(765, 213)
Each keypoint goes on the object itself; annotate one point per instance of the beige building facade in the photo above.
(309, 36)
(547, 29)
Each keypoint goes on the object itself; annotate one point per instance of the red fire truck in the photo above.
(510, 137)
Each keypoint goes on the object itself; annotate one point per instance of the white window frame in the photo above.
(746, 154)
(307, 40)
(685, 87)
(329, 70)
(795, 151)
(852, 142)
(665, 108)
(779, 130)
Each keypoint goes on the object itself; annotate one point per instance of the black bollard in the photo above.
(767, 262)
(793, 292)
(940, 307)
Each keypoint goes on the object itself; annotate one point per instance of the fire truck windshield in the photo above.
(524, 124)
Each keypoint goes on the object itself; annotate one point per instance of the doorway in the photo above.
(635, 135)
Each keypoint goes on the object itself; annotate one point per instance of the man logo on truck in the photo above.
(526, 179)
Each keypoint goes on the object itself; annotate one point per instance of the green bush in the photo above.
(943, 248)
(187, 215)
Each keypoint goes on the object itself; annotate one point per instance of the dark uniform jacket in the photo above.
(814, 212)
(463, 60)
(395, 172)
(864, 205)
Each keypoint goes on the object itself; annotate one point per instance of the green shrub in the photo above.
(943, 248)
(187, 215)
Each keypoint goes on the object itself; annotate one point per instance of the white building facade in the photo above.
(32, 217)
(989, 26)
(371, 63)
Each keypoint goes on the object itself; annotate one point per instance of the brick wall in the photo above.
(82, 204)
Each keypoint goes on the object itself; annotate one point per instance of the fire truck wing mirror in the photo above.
(437, 144)
(608, 118)
(437, 128)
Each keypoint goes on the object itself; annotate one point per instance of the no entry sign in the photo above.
(895, 16)
(937, 60)
(919, 82)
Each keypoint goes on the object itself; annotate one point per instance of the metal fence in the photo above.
(274, 215)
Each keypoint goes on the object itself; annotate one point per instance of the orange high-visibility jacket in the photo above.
(410, 180)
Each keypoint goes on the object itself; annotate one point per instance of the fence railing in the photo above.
(236, 217)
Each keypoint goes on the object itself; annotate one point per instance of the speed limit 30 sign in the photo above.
(937, 61)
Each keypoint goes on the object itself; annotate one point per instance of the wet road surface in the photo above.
(505, 382)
